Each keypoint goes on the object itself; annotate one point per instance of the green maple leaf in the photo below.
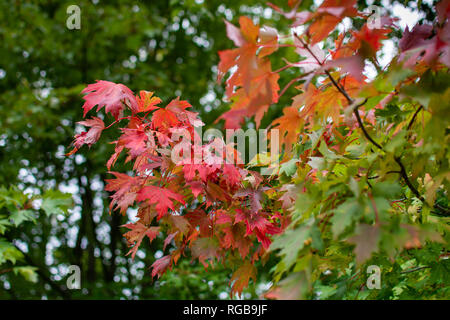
(290, 243)
(345, 215)
(55, 202)
(8, 252)
(27, 272)
(19, 216)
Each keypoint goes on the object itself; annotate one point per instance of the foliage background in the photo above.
(165, 46)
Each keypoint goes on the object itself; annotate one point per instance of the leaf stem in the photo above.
(414, 117)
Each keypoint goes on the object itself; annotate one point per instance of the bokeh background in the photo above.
(166, 46)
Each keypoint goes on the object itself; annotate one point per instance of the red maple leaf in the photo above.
(369, 40)
(161, 197)
(179, 223)
(289, 124)
(354, 65)
(135, 140)
(125, 187)
(197, 187)
(160, 266)
(257, 84)
(137, 234)
(91, 136)
(146, 101)
(178, 107)
(110, 95)
(232, 174)
(241, 277)
(169, 239)
(199, 219)
(223, 217)
(235, 238)
(163, 118)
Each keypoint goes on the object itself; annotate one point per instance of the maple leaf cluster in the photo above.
(252, 87)
(200, 204)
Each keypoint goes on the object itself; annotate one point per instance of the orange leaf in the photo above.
(241, 277)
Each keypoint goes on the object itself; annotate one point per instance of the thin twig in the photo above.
(282, 68)
(414, 269)
(406, 179)
(375, 209)
(361, 125)
(360, 288)
(6, 270)
(290, 83)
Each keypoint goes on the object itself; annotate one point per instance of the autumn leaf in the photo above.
(197, 187)
(135, 140)
(160, 266)
(334, 178)
(223, 217)
(205, 249)
(180, 223)
(268, 40)
(162, 198)
(91, 136)
(257, 85)
(289, 124)
(322, 26)
(241, 277)
(313, 56)
(199, 219)
(234, 34)
(125, 187)
(262, 92)
(137, 234)
(110, 95)
(244, 56)
(293, 287)
(163, 118)
(234, 237)
(169, 239)
(354, 65)
(178, 107)
(368, 40)
(254, 195)
(327, 16)
(146, 101)
(419, 44)
(416, 37)
(366, 241)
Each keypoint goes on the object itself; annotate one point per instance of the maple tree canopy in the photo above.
(363, 175)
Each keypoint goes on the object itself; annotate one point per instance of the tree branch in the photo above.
(5, 270)
(361, 125)
(406, 179)
(350, 101)
(414, 117)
